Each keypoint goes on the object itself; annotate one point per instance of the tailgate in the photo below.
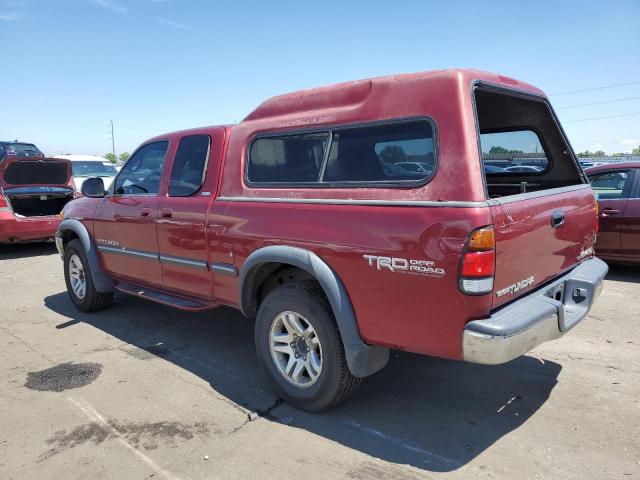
(530, 249)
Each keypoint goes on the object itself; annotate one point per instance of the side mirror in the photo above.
(93, 187)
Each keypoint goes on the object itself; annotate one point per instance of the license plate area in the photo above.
(556, 292)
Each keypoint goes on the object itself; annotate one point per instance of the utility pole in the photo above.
(113, 142)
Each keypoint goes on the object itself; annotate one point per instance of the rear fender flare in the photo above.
(101, 280)
(362, 359)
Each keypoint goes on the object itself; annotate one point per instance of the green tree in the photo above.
(111, 157)
(497, 149)
(636, 151)
(585, 154)
(124, 156)
(599, 153)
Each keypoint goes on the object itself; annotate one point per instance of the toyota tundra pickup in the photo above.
(353, 219)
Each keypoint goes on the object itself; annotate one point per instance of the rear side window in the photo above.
(189, 165)
(398, 152)
(610, 185)
(22, 150)
(389, 153)
(513, 152)
(142, 172)
(287, 159)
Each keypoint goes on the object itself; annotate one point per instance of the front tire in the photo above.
(77, 276)
(300, 349)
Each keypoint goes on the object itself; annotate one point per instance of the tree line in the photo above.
(123, 157)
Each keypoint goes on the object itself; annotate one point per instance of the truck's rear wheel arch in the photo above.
(71, 228)
(301, 265)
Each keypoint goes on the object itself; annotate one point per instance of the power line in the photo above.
(598, 103)
(602, 118)
(595, 88)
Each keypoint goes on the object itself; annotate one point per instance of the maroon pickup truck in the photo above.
(442, 213)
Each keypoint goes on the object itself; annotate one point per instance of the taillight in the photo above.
(4, 205)
(478, 262)
(597, 225)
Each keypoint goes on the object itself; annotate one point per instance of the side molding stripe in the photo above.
(225, 269)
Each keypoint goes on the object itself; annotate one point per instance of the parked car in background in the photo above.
(305, 223)
(617, 189)
(493, 169)
(19, 149)
(87, 166)
(523, 169)
(33, 192)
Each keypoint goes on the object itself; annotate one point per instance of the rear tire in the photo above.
(300, 349)
(77, 276)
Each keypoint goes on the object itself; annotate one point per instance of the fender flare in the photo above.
(362, 359)
(101, 280)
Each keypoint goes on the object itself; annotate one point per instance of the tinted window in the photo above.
(21, 150)
(287, 159)
(608, 185)
(382, 153)
(189, 165)
(141, 174)
(517, 152)
(390, 153)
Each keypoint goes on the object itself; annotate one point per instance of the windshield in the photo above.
(93, 169)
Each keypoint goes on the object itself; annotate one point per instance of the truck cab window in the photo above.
(189, 165)
(141, 174)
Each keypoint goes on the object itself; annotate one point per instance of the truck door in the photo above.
(612, 192)
(630, 228)
(182, 214)
(125, 220)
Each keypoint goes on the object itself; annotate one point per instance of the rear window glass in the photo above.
(396, 152)
(21, 150)
(187, 173)
(513, 152)
(25, 172)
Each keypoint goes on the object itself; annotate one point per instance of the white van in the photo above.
(87, 166)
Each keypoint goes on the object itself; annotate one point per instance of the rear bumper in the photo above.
(27, 229)
(544, 314)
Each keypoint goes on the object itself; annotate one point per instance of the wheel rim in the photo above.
(76, 277)
(296, 349)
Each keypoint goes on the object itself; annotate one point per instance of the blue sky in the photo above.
(69, 66)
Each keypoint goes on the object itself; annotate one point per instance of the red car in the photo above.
(303, 217)
(617, 188)
(32, 195)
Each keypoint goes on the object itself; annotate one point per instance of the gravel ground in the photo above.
(145, 391)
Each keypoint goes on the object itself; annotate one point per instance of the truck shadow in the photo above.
(624, 273)
(26, 250)
(436, 415)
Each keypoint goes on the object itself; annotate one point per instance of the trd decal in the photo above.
(516, 287)
(110, 243)
(426, 268)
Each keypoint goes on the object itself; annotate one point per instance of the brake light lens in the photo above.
(597, 225)
(4, 205)
(477, 267)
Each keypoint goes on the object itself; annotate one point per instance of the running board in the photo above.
(165, 298)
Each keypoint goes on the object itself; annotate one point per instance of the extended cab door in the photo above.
(182, 214)
(612, 190)
(125, 220)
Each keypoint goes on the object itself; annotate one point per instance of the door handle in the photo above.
(557, 218)
(609, 211)
(166, 213)
(145, 212)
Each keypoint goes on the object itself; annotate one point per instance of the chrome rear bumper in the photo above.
(544, 314)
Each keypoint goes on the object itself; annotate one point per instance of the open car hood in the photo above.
(27, 172)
